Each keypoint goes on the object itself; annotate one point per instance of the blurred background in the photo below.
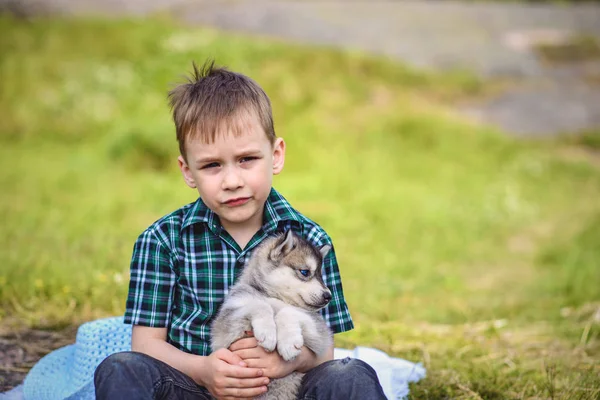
(451, 149)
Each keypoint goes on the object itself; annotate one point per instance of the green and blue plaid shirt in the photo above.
(184, 264)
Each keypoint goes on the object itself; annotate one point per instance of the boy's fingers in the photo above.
(256, 363)
(248, 383)
(239, 372)
(245, 354)
(231, 358)
(246, 343)
(245, 393)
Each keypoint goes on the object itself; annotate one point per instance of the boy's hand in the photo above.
(227, 376)
(255, 356)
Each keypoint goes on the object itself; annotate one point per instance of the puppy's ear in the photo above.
(324, 250)
(285, 244)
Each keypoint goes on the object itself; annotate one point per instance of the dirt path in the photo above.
(491, 39)
(21, 349)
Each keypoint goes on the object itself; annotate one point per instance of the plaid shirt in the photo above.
(184, 264)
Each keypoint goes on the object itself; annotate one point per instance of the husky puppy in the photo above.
(278, 296)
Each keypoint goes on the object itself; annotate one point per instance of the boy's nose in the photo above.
(232, 180)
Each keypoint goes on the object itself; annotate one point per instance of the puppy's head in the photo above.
(293, 271)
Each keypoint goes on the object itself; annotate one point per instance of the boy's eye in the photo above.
(305, 272)
(247, 159)
(211, 165)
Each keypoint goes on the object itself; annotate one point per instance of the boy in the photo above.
(183, 264)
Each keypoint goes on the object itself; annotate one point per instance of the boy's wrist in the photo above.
(196, 367)
(306, 361)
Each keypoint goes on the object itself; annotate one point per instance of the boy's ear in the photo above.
(278, 155)
(185, 171)
(324, 250)
(285, 244)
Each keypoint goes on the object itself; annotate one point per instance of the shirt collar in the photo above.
(277, 209)
(199, 212)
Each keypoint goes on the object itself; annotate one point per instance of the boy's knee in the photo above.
(120, 363)
(120, 360)
(125, 375)
(352, 367)
(347, 378)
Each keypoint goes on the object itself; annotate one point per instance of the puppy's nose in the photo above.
(326, 297)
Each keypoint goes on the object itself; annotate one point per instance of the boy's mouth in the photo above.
(237, 201)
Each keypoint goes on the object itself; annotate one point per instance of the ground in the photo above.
(21, 349)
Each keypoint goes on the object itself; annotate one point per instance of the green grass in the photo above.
(459, 247)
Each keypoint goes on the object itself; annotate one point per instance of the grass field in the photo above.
(461, 248)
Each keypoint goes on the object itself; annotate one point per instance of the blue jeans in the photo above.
(131, 376)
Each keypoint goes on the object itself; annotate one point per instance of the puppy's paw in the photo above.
(289, 344)
(265, 333)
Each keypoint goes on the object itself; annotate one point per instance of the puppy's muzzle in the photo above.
(325, 299)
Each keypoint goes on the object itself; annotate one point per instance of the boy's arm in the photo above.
(223, 373)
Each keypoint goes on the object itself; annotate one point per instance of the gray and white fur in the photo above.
(278, 296)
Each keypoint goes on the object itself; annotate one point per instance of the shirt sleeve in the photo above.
(336, 313)
(151, 283)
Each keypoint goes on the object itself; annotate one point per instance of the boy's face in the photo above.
(234, 174)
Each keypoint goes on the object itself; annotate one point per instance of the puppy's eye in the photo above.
(305, 272)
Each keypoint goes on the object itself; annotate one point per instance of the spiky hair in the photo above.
(214, 98)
